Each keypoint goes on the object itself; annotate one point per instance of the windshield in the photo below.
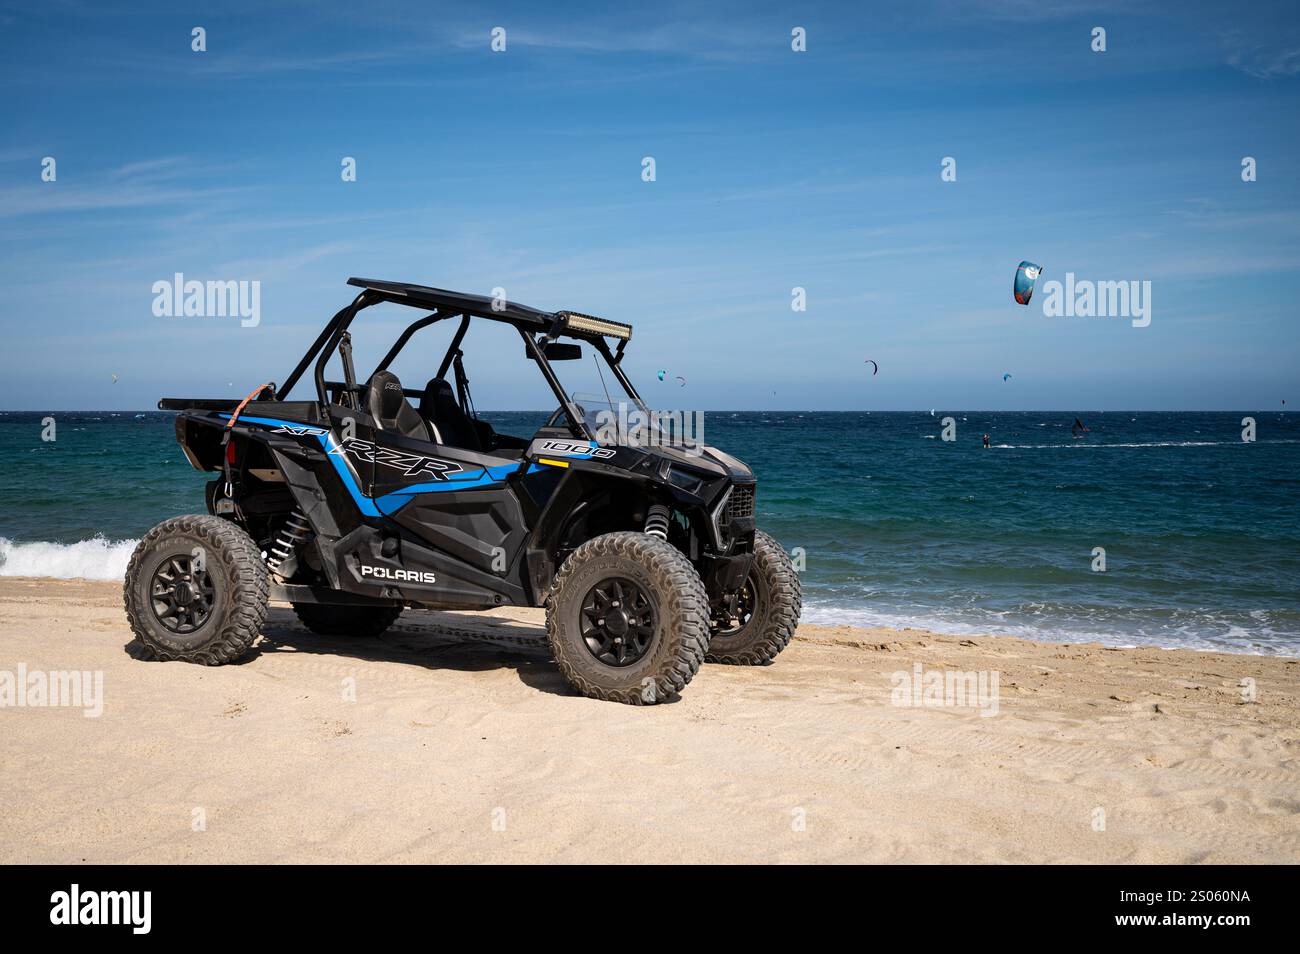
(597, 410)
(635, 425)
(593, 385)
(614, 416)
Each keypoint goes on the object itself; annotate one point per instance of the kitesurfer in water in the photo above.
(986, 440)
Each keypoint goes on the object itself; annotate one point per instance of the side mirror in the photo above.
(560, 351)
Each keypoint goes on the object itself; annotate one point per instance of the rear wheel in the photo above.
(196, 590)
(767, 611)
(327, 620)
(628, 619)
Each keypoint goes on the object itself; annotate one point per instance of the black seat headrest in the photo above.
(438, 399)
(385, 396)
(390, 409)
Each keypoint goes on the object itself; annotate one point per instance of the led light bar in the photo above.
(574, 321)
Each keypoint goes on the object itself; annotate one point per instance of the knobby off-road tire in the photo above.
(326, 620)
(670, 592)
(775, 601)
(213, 571)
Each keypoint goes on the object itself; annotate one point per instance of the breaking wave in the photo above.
(94, 559)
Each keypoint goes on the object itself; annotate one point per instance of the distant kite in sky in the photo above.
(875, 368)
(681, 381)
(662, 374)
(1006, 377)
(115, 379)
(1023, 288)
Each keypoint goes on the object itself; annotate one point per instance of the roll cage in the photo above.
(536, 328)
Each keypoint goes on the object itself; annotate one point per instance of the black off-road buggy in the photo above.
(358, 503)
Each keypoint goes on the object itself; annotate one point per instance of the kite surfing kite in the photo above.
(681, 381)
(662, 374)
(1023, 287)
(875, 368)
(1006, 377)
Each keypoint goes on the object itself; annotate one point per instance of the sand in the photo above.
(454, 739)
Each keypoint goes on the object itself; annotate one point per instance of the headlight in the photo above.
(685, 480)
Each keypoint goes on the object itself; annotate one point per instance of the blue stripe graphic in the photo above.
(391, 502)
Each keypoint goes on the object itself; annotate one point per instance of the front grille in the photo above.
(733, 514)
(742, 502)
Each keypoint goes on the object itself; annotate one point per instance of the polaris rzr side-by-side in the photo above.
(367, 498)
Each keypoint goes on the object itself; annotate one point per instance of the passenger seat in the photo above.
(439, 407)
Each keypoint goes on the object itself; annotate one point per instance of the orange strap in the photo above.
(244, 403)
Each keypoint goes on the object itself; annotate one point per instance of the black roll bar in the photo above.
(315, 346)
(570, 410)
(328, 340)
(453, 348)
(411, 329)
(615, 365)
(343, 319)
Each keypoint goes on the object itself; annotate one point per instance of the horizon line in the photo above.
(788, 410)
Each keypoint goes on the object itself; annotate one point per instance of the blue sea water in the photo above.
(1201, 530)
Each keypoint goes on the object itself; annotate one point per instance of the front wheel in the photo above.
(196, 590)
(628, 619)
(767, 610)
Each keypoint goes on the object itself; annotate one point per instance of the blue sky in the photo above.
(775, 169)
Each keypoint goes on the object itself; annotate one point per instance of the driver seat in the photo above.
(390, 409)
(438, 406)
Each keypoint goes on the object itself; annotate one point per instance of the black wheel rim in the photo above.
(618, 621)
(731, 624)
(181, 594)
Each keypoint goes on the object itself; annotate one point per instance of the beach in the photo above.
(453, 738)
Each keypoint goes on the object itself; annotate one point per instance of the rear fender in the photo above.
(200, 438)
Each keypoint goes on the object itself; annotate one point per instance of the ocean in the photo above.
(894, 526)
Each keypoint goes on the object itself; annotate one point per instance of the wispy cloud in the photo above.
(251, 63)
(54, 197)
(691, 37)
(1264, 62)
(152, 168)
(22, 154)
(266, 267)
(1270, 48)
(1019, 11)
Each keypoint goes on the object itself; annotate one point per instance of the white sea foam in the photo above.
(1086, 445)
(94, 559)
(1228, 638)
